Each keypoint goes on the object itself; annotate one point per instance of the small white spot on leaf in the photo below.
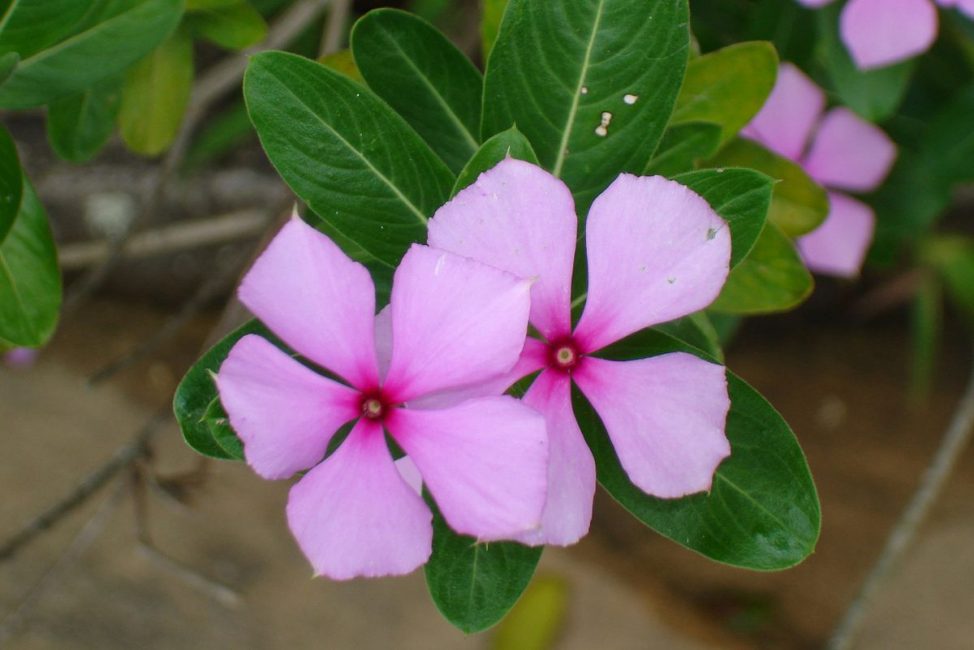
(584, 90)
(602, 129)
(630, 99)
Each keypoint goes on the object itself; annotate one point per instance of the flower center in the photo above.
(563, 355)
(372, 408)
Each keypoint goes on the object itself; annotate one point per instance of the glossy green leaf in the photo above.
(538, 619)
(771, 278)
(490, 24)
(506, 143)
(697, 331)
(112, 36)
(234, 27)
(762, 512)
(218, 423)
(799, 204)
(591, 83)
(727, 87)
(193, 403)
(682, 146)
(78, 126)
(11, 183)
(193, 6)
(30, 281)
(8, 63)
(874, 94)
(155, 96)
(475, 584)
(365, 173)
(741, 196)
(424, 77)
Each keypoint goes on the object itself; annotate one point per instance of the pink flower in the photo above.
(847, 153)
(879, 33)
(453, 321)
(656, 252)
(20, 358)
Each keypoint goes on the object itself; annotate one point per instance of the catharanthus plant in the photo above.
(846, 153)
(656, 252)
(453, 322)
(879, 33)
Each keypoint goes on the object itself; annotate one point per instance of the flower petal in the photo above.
(534, 356)
(284, 413)
(320, 302)
(879, 33)
(656, 252)
(455, 321)
(665, 416)
(849, 153)
(571, 468)
(785, 122)
(839, 245)
(519, 218)
(484, 462)
(353, 515)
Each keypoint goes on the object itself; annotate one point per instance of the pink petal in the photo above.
(879, 33)
(665, 416)
(786, 120)
(519, 218)
(656, 252)
(571, 468)
(484, 462)
(454, 322)
(534, 356)
(410, 473)
(839, 245)
(353, 515)
(20, 357)
(383, 340)
(849, 153)
(284, 413)
(321, 303)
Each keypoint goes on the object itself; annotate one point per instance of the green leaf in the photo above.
(490, 24)
(506, 143)
(11, 183)
(424, 77)
(475, 584)
(728, 87)
(874, 94)
(591, 83)
(762, 512)
(741, 196)
(8, 63)
(221, 135)
(218, 423)
(799, 204)
(114, 36)
(78, 126)
(155, 96)
(952, 257)
(357, 164)
(193, 6)
(537, 620)
(927, 321)
(771, 278)
(696, 331)
(682, 146)
(30, 281)
(234, 27)
(193, 405)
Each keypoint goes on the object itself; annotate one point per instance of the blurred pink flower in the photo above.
(656, 252)
(846, 153)
(20, 357)
(879, 33)
(454, 321)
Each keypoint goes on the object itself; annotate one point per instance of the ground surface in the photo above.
(842, 388)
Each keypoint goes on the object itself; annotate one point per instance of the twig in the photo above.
(121, 459)
(81, 541)
(180, 236)
(331, 40)
(214, 84)
(957, 436)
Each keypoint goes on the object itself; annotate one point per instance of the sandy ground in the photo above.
(89, 584)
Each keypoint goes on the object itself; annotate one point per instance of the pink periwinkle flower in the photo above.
(656, 252)
(453, 322)
(879, 33)
(847, 153)
(20, 358)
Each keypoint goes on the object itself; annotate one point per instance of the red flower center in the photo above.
(563, 355)
(374, 405)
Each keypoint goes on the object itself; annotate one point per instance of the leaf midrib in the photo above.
(402, 197)
(577, 96)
